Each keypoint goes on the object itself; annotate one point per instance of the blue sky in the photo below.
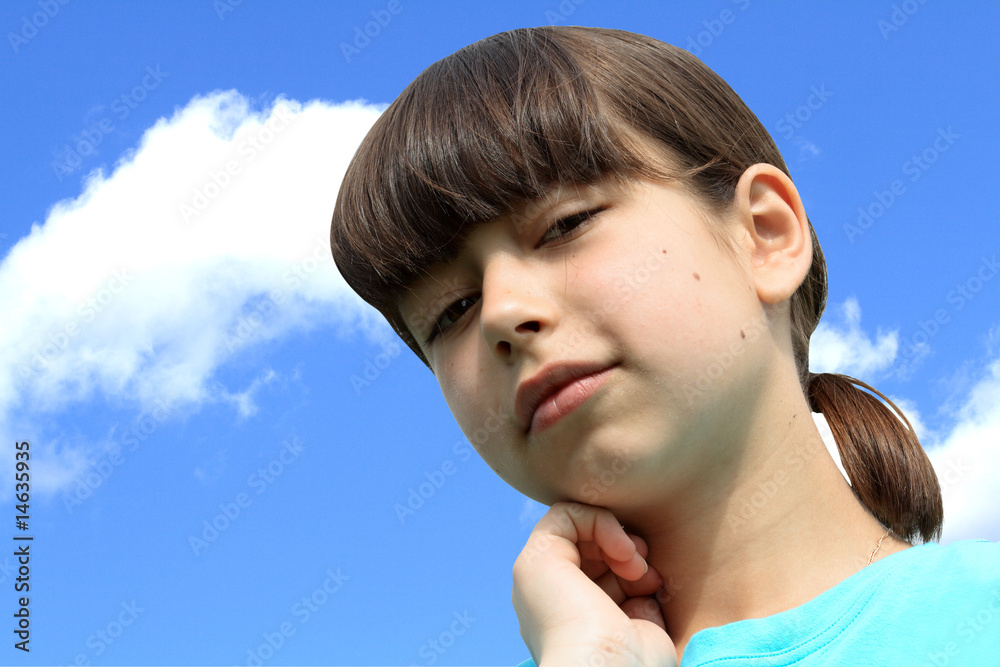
(222, 436)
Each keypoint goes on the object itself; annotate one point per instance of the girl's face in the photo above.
(626, 284)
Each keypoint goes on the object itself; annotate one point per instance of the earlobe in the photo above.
(777, 231)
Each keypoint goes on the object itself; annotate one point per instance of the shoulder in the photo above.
(964, 571)
(969, 561)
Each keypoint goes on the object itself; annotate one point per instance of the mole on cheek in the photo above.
(696, 276)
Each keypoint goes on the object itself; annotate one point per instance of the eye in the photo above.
(560, 229)
(449, 316)
(565, 226)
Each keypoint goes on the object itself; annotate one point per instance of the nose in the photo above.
(516, 311)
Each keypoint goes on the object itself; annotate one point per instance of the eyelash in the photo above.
(583, 217)
(560, 225)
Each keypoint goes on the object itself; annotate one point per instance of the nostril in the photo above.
(531, 326)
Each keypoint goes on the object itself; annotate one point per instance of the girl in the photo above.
(597, 249)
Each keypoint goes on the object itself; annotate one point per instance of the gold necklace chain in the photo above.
(877, 546)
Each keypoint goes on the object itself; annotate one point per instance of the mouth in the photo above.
(556, 391)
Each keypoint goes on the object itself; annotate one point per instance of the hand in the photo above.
(583, 593)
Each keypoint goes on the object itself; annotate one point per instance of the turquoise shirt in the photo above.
(928, 605)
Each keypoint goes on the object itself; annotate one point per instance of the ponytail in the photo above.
(889, 470)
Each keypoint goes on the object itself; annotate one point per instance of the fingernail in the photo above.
(645, 565)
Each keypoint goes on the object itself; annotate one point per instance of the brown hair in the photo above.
(498, 122)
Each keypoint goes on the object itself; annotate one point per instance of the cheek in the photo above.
(472, 405)
(642, 290)
(490, 428)
(677, 314)
(460, 397)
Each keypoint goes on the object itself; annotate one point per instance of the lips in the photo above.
(547, 382)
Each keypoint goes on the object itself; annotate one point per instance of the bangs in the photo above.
(475, 135)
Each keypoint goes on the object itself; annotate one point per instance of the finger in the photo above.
(566, 525)
(595, 569)
(619, 589)
(641, 549)
(640, 545)
(590, 551)
(595, 561)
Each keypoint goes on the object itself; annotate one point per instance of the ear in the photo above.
(776, 232)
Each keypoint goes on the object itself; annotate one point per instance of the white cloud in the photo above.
(243, 400)
(912, 414)
(847, 349)
(210, 237)
(968, 464)
(57, 465)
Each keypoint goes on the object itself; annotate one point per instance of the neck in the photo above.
(766, 539)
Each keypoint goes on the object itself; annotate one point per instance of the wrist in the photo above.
(603, 652)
